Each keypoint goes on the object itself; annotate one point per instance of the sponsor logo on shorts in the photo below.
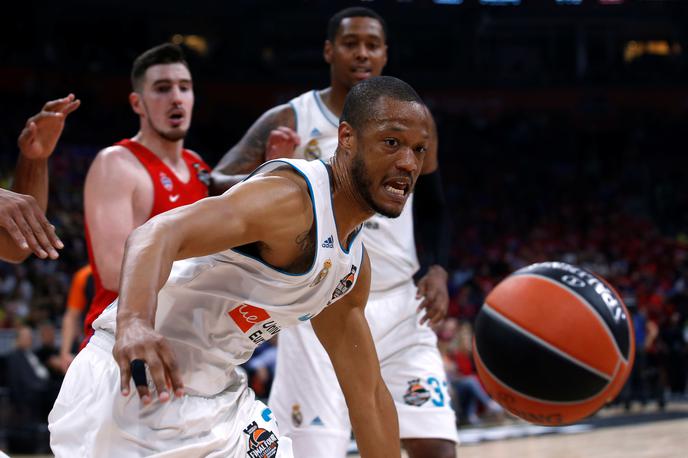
(344, 284)
(296, 415)
(416, 393)
(261, 442)
(166, 181)
(246, 316)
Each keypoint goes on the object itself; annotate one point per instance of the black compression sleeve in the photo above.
(431, 221)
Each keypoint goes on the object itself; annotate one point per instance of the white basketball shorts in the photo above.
(91, 418)
(310, 407)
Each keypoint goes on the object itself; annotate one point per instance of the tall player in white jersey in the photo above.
(307, 402)
(204, 284)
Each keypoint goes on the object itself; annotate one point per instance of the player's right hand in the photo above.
(282, 143)
(24, 221)
(137, 340)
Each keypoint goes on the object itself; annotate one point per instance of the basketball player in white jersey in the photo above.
(305, 397)
(249, 264)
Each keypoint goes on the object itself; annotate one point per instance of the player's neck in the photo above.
(166, 150)
(333, 98)
(349, 207)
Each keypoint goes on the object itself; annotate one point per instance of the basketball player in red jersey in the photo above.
(138, 178)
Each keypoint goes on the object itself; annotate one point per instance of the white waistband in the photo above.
(103, 340)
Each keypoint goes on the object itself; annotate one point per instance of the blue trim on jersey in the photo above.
(324, 110)
(315, 218)
(334, 217)
(296, 117)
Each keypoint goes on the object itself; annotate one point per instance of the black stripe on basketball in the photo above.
(522, 363)
(595, 291)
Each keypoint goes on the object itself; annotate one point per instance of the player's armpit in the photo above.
(343, 330)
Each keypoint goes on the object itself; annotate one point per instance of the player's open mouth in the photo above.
(176, 118)
(398, 187)
(362, 72)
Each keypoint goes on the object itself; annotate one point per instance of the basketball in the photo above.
(553, 343)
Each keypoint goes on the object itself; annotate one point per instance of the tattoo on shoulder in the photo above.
(250, 152)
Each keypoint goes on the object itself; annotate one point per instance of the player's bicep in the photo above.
(249, 153)
(109, 212)
(259, 209)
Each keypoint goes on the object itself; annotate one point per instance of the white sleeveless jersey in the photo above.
(389, 241)
(215, 310)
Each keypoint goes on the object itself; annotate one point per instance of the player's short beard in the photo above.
(361, 179)
(172, 136)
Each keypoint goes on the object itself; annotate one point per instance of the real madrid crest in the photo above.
(296, 415)
(322, 274)
(312, 150)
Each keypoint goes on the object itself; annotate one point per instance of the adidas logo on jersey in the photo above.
(329, 242)
(317, 422)
(315, 132)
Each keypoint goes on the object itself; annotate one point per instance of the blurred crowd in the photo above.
(520, 190)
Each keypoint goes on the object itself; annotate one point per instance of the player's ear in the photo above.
(135, 102)
(328, 50)
(346, 137)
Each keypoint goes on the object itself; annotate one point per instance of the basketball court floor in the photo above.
(642, 433)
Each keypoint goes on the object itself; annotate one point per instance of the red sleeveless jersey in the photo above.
(168, 193)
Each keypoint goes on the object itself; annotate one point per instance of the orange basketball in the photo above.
(553, 343)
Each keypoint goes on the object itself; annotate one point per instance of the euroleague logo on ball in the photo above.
(579, 278)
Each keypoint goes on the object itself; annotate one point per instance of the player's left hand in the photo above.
(433, 289)
(41, 132)
(136, 340)
(281, 143)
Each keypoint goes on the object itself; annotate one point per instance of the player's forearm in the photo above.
(376, 426)
(31, 177)
(148, 256)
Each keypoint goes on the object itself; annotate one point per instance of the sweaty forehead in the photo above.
(360, 26)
